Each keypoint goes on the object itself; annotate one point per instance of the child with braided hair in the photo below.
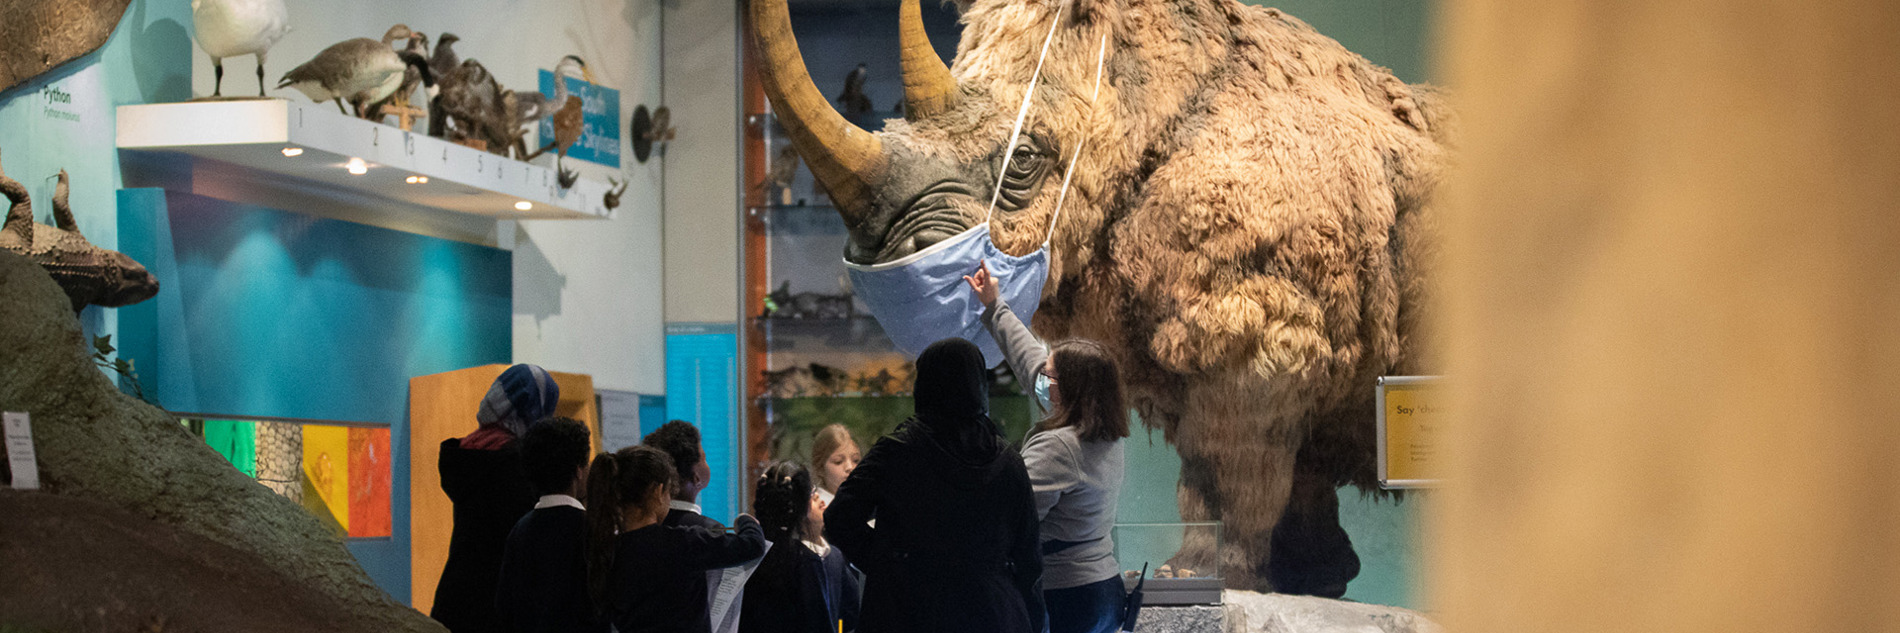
(804, 584)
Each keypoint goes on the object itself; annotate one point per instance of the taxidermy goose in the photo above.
(414, 75)
(362, 70)
(229, 28)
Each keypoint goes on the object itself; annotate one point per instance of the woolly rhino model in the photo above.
(1247, 230)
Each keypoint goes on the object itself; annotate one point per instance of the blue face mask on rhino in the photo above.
(922, 297)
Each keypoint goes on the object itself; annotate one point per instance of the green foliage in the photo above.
(102, 350)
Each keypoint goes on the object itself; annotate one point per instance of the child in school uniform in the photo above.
(804, 584)
(543, 583)
(642, 572)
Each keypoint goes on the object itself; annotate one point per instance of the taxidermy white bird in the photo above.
(362, 70)
(229, 28)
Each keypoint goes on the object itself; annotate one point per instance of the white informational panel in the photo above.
(25, 467)
(1411, 415)
(619, 419)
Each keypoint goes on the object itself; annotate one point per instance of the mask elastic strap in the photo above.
(1100, 54)
(1009, 151)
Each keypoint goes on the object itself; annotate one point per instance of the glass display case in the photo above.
(1180, 559)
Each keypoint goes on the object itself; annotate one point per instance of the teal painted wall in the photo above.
(277, 314)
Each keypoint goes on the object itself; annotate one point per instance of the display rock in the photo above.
(97, 444)
(1253, 612)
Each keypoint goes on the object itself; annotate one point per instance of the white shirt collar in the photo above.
(549, 501)
(821, 549)
(684, 505)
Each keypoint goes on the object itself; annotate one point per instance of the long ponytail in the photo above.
(603, 520)
(614, 481)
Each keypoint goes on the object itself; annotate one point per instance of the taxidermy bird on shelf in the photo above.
(415, 75)
(611, 199)
(90, 275)
(229, 28)
(362, 70)
(853, 99)
(535, 106)
(472, 109)
(444, 60)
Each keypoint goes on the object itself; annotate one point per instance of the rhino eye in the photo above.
(1028, 165)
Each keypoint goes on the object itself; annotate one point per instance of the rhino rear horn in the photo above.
(928, 87)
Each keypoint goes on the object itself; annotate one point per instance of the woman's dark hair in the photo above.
(553, 448)
(1091, 392)
(614, 481)
(782, 501)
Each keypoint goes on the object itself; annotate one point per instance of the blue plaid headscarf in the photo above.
(520, 397)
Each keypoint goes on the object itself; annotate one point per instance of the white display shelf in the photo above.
(250, 136)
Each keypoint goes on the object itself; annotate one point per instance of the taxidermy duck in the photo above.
(90, 275)
(229, 28)
(362, 70)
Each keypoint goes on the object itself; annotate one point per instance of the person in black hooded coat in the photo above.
(484, 478)
(955, 546)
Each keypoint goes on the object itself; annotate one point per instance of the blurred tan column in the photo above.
(1672, 308)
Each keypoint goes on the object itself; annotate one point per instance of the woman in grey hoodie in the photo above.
(1074, 457)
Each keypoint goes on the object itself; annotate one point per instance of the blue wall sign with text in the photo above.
(600, 119)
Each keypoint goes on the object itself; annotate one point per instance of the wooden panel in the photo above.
(442, 406)
(1672, 279)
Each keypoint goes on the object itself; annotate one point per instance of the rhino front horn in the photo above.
(843, 156)
(928, 87)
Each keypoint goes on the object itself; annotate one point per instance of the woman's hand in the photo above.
(983, 284)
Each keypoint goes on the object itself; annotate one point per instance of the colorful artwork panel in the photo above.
(326, 464)
(369, 483)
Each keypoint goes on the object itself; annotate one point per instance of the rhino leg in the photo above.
(1238, 469)
(1311, 554)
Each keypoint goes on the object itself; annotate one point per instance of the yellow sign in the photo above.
(1411, 420)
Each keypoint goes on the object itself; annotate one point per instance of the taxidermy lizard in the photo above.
(88, 274)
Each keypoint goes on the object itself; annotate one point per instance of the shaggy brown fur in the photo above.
(1247, 231)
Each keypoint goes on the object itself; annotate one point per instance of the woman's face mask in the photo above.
(1045, 392)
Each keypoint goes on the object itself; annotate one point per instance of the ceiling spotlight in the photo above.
(293, 151)
(357, 167)
(524, 205)
(416, 180)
